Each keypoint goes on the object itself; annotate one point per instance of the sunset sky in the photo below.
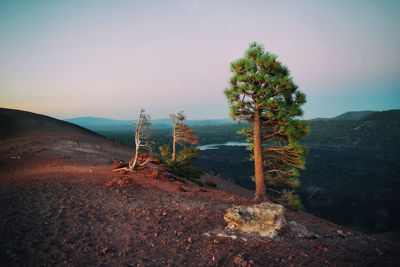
(109, 58)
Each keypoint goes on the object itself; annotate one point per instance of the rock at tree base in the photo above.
(265, 218)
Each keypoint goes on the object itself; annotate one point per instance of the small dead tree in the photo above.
(142, 140)
(181, 133)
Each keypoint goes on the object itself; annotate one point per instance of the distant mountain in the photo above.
(390, 115)
(350, 115)
(94, 121)
(353, 115)
(378, 129)
(106, 125)
(210, 122)
(102, 124)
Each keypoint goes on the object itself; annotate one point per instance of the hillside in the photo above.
(21, 123)
(62, 205)
(376, 130)
(350, 115)
(353, 115)
(358, 188)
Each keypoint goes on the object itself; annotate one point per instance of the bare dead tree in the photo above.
(181, 133)
(142, 140)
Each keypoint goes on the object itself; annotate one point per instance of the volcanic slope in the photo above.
(62, 205)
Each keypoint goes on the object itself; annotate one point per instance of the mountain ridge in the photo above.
(91, 121)
(349, 115)
(377, 129)
(101, 124)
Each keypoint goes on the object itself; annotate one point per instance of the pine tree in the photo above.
(181, 133)
(262, 93)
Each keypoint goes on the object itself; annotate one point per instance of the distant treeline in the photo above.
(377, 130)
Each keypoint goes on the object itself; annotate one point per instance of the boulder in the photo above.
(265, 218)
(300, 231)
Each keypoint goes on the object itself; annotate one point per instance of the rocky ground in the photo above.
(63, 205)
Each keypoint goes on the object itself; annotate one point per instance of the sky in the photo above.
(108, 59)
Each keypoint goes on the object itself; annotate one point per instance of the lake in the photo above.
(215, 146)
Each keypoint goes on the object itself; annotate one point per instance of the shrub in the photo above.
(182, 165)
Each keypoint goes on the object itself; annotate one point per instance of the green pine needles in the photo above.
(263, 93)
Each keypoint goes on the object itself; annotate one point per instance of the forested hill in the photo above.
(378, 129)
(353, 115)
(350, 115)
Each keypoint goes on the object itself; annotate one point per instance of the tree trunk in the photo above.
(132, 165)
(260, 194)
(174, 143)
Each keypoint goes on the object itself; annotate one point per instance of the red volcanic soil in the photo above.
(62, 205)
